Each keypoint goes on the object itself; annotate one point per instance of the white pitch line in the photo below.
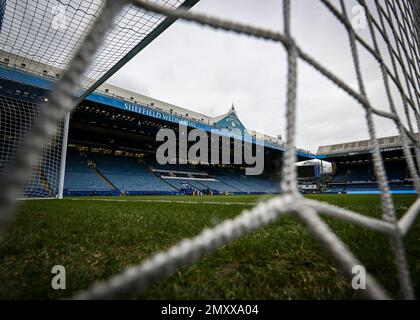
(167, 201)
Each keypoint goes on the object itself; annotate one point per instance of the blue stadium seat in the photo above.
(360, 178)
(80, 178)
(131, 176)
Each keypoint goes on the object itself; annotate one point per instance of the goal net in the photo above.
(393, 43)
(38, 39)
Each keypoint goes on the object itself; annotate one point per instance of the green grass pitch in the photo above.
(94, 239)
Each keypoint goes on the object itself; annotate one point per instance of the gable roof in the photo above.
(229, 120)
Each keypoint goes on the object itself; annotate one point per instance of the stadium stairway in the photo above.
(80, 179)
(109, 183)
(167, 181)
(130, 177)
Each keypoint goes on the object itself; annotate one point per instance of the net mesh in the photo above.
(40, 38)
(16, 119)
(394, 23)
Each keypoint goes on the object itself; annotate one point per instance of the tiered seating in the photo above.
(265, 184)
(242, 183)
(368, 188)
(216, 186)
(360, 173)
(335, 189)
(396, 170)
(239, 183)
(153, 165)
(82, 180)
(129, 176)
(340, 175)
(360, 179)
(221, 181)
(176, 183)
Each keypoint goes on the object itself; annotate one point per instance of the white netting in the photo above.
(395, 23)
(16, 119)
(39, 38)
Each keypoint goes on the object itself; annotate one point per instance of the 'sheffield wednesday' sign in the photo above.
(159, 115)
(25, 78)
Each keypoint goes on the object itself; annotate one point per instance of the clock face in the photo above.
(233, 124)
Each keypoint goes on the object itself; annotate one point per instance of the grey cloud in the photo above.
(206, 70)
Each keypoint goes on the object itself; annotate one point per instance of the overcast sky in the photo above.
(206, 70)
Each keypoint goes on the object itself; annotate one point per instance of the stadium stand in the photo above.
(354, 172)
(81, 179)
(117, 119)
(129, 176)
(102, 174)
(238, 182)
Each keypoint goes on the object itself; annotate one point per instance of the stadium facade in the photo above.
(108, 144)
(112, 147)
(353, 171)
(112, 143)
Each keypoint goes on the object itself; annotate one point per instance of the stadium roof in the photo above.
(117, 97)
(385, 143)
(157, 104)
(229, 120)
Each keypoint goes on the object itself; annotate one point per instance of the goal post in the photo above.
(63, 156)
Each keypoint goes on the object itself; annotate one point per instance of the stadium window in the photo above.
(45, 72)
(363, 143)
(335, 147)
(23, 65)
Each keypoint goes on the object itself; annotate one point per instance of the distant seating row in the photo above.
(113, 175)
